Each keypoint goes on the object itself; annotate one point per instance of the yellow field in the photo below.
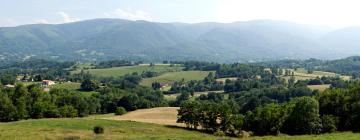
(302, 74)
(160, 115)
(319, 87)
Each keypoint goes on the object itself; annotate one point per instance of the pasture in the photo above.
(82, 128)
(121, 71)
(67, 85)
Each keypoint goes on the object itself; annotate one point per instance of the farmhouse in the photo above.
(9, 86)
(163, 85)
(47, 82)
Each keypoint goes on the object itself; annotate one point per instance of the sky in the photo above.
(335, 13)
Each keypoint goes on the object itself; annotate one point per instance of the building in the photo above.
(47, 82)
(9, 86)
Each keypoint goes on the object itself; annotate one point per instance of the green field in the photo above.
(69, 86)
(120, 71)
(171, 77)
(76, 129)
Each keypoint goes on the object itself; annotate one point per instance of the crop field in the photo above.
(120, 71)
(171, 77)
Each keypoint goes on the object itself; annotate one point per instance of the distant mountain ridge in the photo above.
(106, 39)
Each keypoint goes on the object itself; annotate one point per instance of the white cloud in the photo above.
(66, 17)
(328, 12)
(129, 14)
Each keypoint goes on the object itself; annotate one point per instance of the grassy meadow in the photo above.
(120, 71)
(82, 129)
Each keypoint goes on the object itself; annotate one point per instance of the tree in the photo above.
(7, 109)
(120, 111)
(188, 114)
(6, 79)
(156, 85)
(68, 111)
(89, 85)
(304, 117)
(266, 120)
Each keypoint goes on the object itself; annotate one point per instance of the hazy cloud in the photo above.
(4, 22)
(129, 14)
(66, 17)
(42, 21)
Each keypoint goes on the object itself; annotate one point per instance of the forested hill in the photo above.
(107, 39)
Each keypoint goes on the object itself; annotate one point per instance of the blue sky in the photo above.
(337, 13)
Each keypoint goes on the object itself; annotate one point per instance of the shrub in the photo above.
(329, 123)
(98, 130)
(120, 111)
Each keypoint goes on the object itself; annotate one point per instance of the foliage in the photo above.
(98, 130)
(120, 111)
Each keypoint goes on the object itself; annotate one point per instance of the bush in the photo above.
(98, 130)
(120, 111)
(329, 123)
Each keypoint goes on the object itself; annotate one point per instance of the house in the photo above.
(268, 70)
(47, 82)
(163, 85)
(9, 86)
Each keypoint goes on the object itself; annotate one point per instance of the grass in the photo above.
(82, 128)
(171, 77)
(120, 71)
(68, 85)
(332, 136)
(53, 129)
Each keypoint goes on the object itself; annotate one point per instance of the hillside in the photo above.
(77, 128)
(104, 39)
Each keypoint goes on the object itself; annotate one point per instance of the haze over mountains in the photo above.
(104, 39)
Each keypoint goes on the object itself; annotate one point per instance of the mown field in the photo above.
(171, 77)
(120, 71)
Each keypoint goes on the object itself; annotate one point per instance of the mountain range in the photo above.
(108, 39)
